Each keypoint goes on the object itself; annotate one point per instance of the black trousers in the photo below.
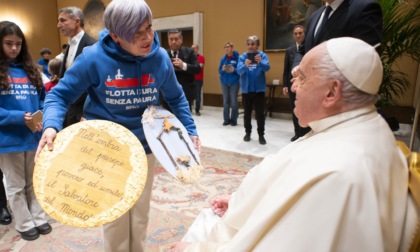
(3, 198)
(256, 100)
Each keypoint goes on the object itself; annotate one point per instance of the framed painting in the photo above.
(281, 16)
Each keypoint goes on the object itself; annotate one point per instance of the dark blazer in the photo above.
(186, 78)
(353, 18)
(288, 65)
(85, 41)
(287, 76)
(75, 111)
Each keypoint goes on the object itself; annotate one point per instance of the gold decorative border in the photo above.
(135, 182)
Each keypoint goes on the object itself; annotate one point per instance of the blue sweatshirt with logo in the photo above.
(120, 87)
(21, 97)
(253, 77)
(232, 77)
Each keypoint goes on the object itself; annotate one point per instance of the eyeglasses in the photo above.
(228, 46)
(251, 44)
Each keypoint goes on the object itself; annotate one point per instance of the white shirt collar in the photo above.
(76, 39)
(334, 5)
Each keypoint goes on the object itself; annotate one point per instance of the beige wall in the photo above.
(222, 21)
(37, 19)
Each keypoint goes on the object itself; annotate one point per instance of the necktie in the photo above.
(175, 54)
(323, 24)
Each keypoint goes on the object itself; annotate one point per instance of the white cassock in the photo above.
(342, 187)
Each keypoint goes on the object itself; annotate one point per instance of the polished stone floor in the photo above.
(279, 130)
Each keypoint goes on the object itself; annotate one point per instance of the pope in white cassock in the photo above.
(341, 187)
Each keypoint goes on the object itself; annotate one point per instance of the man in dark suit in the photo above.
(348, 18)
(185, 63)
(360, 19)
(299, 36)
(70, 24)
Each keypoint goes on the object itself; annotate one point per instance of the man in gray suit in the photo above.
(70, 24)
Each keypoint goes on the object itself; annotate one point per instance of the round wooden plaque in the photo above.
(95, 174)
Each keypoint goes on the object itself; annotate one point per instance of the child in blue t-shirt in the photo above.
(21, 94)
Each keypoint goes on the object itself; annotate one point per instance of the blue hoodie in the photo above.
(253, 77)
(233, 77)
(120, 86)
(21, 97)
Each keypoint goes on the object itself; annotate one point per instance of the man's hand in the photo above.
(46, 139)
(177, 63)
(178, 246)
(286, 91)
(220, 204)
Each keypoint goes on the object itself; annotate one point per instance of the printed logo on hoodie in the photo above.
(128, 92)
(119, 82)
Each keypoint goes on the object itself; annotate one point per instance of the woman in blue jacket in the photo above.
(252, 67)
(122, 73)
(21, 94)
(229, 80)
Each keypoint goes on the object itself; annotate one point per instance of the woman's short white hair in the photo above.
(125, 17)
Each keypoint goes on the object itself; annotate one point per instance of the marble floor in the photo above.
(279, 130)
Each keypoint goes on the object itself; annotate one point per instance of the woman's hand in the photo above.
(46, 139)
(197, 143)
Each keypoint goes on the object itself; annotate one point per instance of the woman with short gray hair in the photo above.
(128, 58)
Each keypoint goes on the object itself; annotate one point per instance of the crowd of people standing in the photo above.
(322, 112)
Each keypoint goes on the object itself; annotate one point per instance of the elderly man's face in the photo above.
(252, 46)
(310, 90)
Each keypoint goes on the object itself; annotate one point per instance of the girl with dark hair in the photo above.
(21, 94)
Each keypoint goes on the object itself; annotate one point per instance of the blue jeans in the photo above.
(230, 101)
(198, 86)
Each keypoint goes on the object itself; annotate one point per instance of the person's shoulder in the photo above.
(262, 53)
(362, 3)
(162, 52)
(89, 40)
(187, 49)
(290, 49)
